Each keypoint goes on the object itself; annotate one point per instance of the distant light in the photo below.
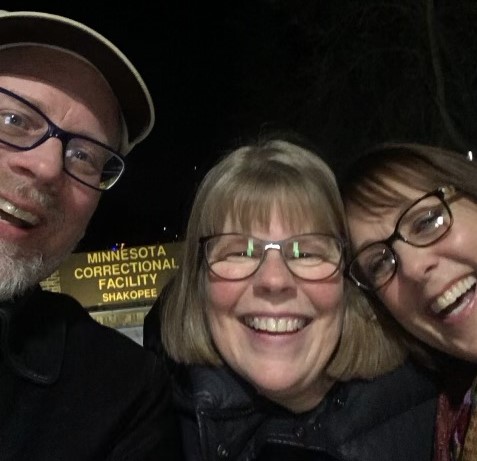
(470, 156)
(164, 228)
(118, 246)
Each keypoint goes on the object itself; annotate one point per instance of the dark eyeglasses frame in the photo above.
(54, 131)
(440, 193)
(271, 245)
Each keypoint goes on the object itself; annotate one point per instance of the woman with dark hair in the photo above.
(412, 215)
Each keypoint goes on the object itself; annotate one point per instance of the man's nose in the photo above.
(42, 164)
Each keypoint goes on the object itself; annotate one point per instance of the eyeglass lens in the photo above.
(24, 127)
(422, 224)
(308, 256)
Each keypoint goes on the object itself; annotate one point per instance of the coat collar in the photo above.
(32, 337)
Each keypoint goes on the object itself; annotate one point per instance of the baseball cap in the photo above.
(32, 27)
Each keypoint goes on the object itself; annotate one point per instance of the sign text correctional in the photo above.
(127, 275)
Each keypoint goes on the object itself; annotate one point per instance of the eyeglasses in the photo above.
(24, 127)
(237, 256)
(423, 223)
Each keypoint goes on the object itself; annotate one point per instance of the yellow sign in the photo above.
(126, 276)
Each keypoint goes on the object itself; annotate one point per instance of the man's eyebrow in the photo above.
(33, 100)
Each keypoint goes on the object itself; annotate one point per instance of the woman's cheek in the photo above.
(223, 294)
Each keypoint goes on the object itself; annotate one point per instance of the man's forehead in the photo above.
(27, 56)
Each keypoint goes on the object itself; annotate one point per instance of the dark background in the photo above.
(343, 73)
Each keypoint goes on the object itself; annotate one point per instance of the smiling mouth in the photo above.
(16, 216)
(454, 300)
(276, 324)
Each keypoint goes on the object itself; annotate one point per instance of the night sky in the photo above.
(222, 72)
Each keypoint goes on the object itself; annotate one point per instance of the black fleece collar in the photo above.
(32, 337)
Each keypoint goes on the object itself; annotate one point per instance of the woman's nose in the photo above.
(273, 273)
(415, 263)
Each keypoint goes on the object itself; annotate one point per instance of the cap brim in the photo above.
(48, 29)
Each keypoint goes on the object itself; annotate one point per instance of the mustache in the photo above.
(44, 199)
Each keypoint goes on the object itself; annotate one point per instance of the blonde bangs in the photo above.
(250, 204)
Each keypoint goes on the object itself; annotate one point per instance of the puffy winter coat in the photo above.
(388, 419)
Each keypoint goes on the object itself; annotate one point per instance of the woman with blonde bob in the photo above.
(274, 354)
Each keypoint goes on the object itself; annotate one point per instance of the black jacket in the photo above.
(388, 419)
(73, 390)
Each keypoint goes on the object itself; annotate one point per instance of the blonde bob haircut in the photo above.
(244, 186)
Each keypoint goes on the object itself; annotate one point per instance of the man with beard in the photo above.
(71, 106)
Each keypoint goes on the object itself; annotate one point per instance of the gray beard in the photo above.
(20, 271)
(20, 268)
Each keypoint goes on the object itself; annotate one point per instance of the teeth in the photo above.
(17, 213)
(275, 324)
(452, 294)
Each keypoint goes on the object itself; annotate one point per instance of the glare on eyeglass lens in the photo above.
(236, 256)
